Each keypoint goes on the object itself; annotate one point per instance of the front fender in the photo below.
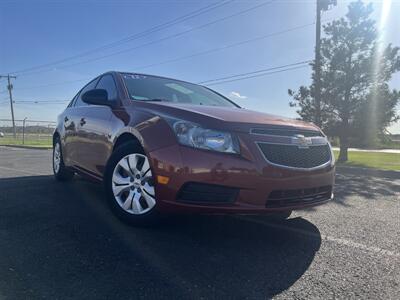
(152, 131)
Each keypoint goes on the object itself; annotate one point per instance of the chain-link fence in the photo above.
(27, 132)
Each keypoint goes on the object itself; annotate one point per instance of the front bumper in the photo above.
(250, 173)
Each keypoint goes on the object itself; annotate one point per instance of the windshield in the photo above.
(152, 88)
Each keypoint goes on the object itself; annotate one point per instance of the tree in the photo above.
(357, 103)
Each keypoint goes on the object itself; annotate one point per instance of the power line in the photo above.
(224, 47)
(135, 36)
(191, 55)
(19, 102)
(254, 72)
(256, 75)
(242, 76)
(53, 84)
(36, 121)
(158, 40)
(286, 67)
(203, 82)
(40, 102)
(194, 54)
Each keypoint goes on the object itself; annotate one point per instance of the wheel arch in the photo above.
(127, 137)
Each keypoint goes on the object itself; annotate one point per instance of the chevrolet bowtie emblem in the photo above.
(301, 141)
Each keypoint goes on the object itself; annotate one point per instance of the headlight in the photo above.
(193, 135)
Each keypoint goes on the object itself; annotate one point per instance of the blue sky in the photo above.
(38, 32)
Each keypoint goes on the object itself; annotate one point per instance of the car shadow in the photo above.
(60, 240)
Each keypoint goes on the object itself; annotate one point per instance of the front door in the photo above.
(94, 138)
(95, 129)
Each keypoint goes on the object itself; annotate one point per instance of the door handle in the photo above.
(82, 122)
(66, 119)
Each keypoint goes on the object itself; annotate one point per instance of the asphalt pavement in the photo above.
(60, 241)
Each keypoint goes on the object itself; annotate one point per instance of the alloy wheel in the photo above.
(56, 157)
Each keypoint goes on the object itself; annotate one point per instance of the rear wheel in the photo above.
(61, 172)
(129, 183)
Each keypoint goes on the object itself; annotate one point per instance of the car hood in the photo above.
(232, 117)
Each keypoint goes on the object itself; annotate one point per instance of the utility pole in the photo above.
(23, 130)
(10, 87)
(322, 5)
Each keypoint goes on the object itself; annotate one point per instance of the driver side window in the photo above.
(107, 83)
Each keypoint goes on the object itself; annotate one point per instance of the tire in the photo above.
(129, 185)
(279, 216)
(61, 172)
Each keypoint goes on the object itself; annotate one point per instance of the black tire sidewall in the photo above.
(279, 216)
(57, 141)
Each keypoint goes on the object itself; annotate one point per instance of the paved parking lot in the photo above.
(60, 241)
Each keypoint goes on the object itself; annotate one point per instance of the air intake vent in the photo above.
(292, 198)
(207, 193)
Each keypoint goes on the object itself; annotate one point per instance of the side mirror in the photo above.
(96, 97)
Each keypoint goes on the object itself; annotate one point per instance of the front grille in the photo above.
(292, 198)
(295, 156)
(207, 193)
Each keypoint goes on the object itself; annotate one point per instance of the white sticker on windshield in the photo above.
(134, 76)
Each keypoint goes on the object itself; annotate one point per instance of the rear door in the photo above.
(95, 130)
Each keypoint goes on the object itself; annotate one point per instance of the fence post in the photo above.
(23, 131)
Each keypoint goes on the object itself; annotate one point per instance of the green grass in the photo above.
(41, 143)
(376, 160)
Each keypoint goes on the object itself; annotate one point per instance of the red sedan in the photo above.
(162, 145)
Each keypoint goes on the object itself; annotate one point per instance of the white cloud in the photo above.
(237, 95)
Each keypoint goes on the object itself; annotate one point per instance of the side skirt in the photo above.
(87, 174)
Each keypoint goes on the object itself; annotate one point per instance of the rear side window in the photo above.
(90, 86)
(107, 83)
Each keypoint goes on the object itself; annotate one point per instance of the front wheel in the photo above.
(279, 216)
(61, 173)
(129, 183)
